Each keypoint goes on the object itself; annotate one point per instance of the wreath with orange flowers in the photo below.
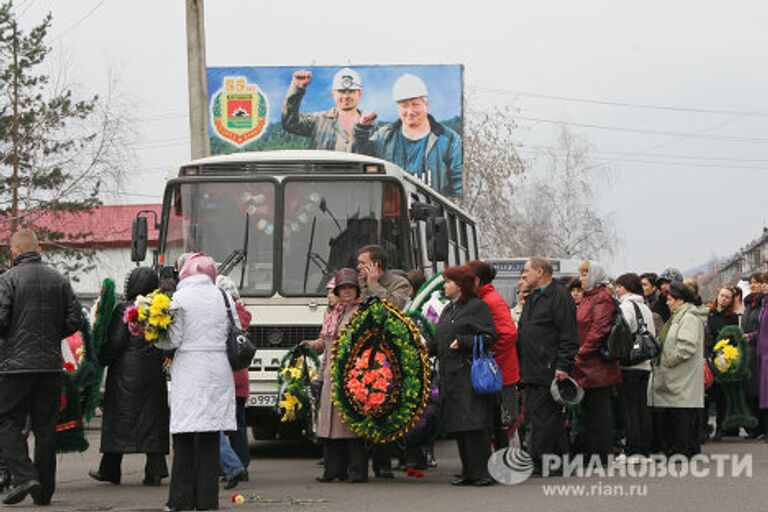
(380, 374)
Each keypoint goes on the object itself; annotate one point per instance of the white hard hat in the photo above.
(347, 79)
(408, 86)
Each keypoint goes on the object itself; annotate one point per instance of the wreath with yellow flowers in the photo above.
(298, 368)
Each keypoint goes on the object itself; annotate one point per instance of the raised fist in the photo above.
(368, 118)
(302, 77)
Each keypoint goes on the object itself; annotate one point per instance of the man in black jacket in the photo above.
(547, 344)
(38, 309)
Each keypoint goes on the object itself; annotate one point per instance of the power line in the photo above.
(631, 159)
(666, 155)
(78, 22)
(620, 103)
(697, 135)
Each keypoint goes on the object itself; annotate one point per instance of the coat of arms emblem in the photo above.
(239, 111)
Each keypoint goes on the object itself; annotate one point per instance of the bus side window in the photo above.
(471, 242)
(463, 247)
(453, 254)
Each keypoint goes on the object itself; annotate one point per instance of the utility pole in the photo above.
(198, 81)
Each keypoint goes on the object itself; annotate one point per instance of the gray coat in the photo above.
(329, 422)
(678, 379)
(461, 408)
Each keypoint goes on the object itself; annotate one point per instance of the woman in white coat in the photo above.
(202, 387)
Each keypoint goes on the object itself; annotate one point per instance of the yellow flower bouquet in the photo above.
(150, 315)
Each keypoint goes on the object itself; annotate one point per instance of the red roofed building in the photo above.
(109, 228)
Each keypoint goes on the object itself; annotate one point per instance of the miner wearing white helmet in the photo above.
(333, 128)
(416, 142)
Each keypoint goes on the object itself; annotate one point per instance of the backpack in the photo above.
(618, 344)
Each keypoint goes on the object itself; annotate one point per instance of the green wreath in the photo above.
(380, 374)
(297, 369)
(729, 363)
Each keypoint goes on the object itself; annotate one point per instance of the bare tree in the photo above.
(492, 167)
(558, 215)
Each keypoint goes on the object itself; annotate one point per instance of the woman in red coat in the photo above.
(505, 348)
(595, 318)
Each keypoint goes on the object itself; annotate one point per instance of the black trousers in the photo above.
(544, 422)
(597, 416)
(154, 469)
(345, 459)
(382, 457)
(195, 472)
(634, 396)
(37, 396)
(238, 439)
(474, 452)
(679, 428)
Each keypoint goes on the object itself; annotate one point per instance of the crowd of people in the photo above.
(550, 342)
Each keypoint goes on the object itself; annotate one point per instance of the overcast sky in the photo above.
(690, 181)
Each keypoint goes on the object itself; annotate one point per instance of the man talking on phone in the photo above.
(376, 280)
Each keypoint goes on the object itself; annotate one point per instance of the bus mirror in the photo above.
(139, 239)
(437, 250)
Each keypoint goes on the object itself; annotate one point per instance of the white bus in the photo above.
(281, 222)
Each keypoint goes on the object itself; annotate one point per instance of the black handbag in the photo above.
(645, 346)
(240, 348)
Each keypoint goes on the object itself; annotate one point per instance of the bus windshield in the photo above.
(228, 220)
(326, 222)
(321, 225)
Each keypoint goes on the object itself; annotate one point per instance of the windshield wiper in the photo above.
(230, 262)
(237, 256)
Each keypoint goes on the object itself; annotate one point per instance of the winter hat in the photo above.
(669, 275)
(566, 391)
(331, 284)
(198, 263)
(680, 290)
(346, 277)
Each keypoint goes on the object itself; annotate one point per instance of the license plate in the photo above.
(262, 400)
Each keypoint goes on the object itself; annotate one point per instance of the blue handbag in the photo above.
(485, 373)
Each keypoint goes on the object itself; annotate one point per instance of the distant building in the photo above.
(109, 234)
(749, 259)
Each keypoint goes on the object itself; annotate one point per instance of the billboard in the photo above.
(409, 115)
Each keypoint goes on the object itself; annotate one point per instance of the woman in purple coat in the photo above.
(759, 341)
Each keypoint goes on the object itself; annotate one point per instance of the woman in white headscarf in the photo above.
(202, 387)
(594, 318)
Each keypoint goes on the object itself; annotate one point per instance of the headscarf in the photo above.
(225, 283)
(597, 276)
(198, 263)
(141, 281)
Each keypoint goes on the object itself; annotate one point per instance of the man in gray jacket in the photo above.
(333, 128)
